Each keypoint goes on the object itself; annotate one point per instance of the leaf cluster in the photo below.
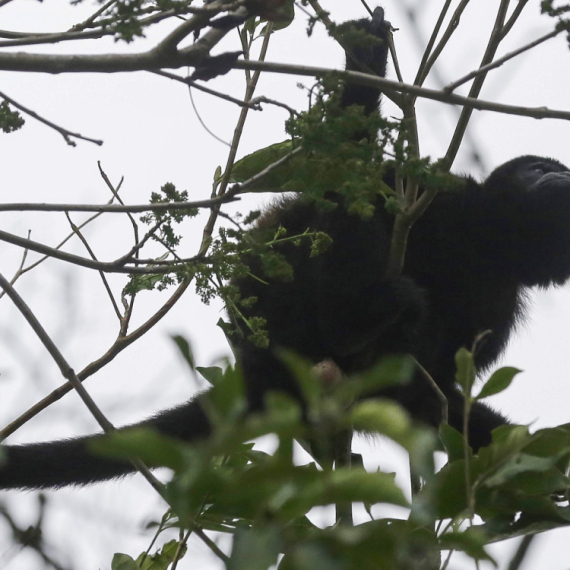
(264, 501)
(129, 18)
(10, 120)
(342, 152)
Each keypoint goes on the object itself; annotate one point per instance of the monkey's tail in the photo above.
(70, 461)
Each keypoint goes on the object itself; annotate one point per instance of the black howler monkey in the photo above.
(468, 261)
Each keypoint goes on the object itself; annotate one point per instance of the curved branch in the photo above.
(67, 135)
(389, 87)
(118, 346)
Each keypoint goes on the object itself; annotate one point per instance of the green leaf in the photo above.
(507, 441)
(143, 442)
(226, 399)
(311, 387)
(500, 380)
(497, 532)
(212, 374)
(453, 441)
(123, 562)
(355, 485)
(519, 463)
(384, 417)
(256, 162)
(446, 492)
(465, 375)
(217, 175)
(255, 549)
(185, 349)
(162, 560)
(471, 542)
(390, 371)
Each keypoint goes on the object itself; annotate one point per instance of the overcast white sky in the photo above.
(153, 136)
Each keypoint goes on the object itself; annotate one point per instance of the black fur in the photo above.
(468, 261)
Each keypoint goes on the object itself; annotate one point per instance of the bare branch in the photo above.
(89, 22)
(423, 70)
(63, 132)
(198, 22)
(117, 208)
(222, 190)
(196, 85)
(20, 270)
(477, 85)
(78, 233)
(27, 38)
(395, 57)
(428, 62)
(119, 266)
(150, 61)
(497, 63)
(514, 17)
(118, 346)
(68, 373)
(154, 59)
(389, 87)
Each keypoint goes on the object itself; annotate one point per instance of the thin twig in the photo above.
(521, 552)
(78, 233)
(426, 66)
(20, 270)
(86, 23)
(498, 62)
(389, 87)
(211, 545)
(19, 39)
(200, 87)
(477, 85)
(201, 121)
(262, 99)
(394, 57)
(67, 135)
(128, 306)
(59, 245)
(514, 17)
(423, 69)
(222, 190)
(66, 371)
(367, 7)
(118, 266)
(118, 346)
(31, 536)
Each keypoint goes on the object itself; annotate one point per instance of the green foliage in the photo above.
(164, 220)
(548, 7)
(499, 381)
(10, 120)
(185, 350)
(254, 163)
(162, 230)
(264, 501)
(341, 153)
(161, 560)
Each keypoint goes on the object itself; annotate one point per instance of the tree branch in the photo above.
(67, 135)
(118, 346)
(498, 62)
